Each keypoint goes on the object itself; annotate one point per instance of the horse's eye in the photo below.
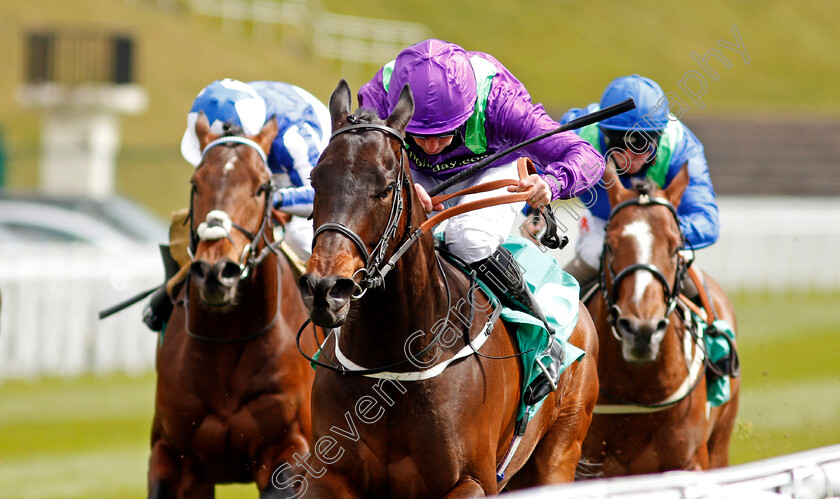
(384, 194)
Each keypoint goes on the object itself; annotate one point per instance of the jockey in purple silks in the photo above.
(467, 107)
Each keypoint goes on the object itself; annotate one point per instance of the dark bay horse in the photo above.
(392, 417)
(233, 393)
(652, 414)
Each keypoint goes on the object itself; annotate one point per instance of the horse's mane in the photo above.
(363, 116)
(230, 129)
(645, 187)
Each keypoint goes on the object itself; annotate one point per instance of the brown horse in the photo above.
(652, 414)
(393, 414)
(233, 393)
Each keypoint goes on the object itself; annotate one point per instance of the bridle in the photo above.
(218, 224)
(672, 290)
(374, 271)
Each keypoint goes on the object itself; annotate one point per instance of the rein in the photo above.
(374, 271)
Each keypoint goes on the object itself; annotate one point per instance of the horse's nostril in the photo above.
(342, 290)
(624, 325)
(229, 270)
(305, 284)
(199, 270)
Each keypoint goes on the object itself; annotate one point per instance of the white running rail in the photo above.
(350, 39)
(804, 475)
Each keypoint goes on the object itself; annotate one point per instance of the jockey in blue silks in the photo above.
(303, 132)
(647, 142)
(304, 129)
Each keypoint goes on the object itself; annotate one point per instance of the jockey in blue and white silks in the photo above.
(646, 142)
(304, 130)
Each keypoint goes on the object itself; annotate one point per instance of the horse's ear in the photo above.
(403, 110)
(612, 183)
(675, 189)
(202, 131)
(340, 104)
(267, 134)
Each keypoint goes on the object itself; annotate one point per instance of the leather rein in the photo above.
(376, 268)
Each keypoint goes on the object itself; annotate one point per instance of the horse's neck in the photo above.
(413, 299)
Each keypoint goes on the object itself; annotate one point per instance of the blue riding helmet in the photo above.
(651, 113)
(223, 101)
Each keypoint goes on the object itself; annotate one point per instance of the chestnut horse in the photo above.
(652, 414)
(233, 393)
(417, 420)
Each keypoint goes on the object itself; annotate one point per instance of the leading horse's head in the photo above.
(230, 208)
(640, 266)
(361, 183)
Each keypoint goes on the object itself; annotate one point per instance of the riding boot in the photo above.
(585, 274)
(502, 275)
(157, 311)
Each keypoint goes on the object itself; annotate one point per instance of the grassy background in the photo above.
(564, 51)
(89, 437)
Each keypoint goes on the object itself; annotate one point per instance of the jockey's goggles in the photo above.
(636, 141)
(444, 135)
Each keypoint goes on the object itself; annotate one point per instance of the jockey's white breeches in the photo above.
(299, 236)
(591, 239)
(474, 235)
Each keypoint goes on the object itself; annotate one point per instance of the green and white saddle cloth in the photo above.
(557, 295)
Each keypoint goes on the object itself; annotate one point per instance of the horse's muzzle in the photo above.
(641, 338)
(327, 298)
(216, 282)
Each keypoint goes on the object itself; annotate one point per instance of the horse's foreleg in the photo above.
(164, 472)
(718, 443)
(172, 477)
(556, 456)
(466, 487)
(279, 471)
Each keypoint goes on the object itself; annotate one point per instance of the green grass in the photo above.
(89, 437)
(790, 374)
(565, 53)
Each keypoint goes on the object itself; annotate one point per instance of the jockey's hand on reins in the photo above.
(426, 200)
(540, 196)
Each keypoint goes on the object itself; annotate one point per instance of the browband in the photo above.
(371, 126)
(239, 140)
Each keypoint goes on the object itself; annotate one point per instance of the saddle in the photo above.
(557, 294)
